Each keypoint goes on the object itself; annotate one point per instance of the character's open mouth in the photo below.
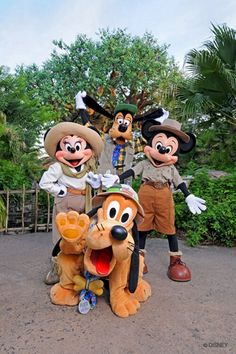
(157, 162)
(101, 260)
(120, 140)
(74, 163)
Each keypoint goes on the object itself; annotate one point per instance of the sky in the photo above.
(28, 27)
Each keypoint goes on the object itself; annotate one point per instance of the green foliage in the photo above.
(13, 175)
(114, 67)
(208, 104)
(217, 224)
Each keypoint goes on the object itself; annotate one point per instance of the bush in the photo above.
(217, 224)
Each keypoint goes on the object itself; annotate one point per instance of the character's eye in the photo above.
(126, 122)
(113, 209)
(78, 146)
(120, 120)
(158, 145)
(68, 147)
(168, 149)
(126, 215)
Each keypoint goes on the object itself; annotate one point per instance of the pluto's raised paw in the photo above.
(72, 225)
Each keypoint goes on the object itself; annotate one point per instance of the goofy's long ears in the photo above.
(134, 265)
(91, 103)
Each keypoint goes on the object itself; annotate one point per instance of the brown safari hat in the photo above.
(171, 125)
(60, 130)
(125, 190)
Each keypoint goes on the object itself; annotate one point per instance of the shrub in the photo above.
(217, 224)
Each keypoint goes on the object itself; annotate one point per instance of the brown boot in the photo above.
(177, 270)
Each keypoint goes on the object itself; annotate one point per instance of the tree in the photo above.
(21, 122)
(116, 67)
(208, 95)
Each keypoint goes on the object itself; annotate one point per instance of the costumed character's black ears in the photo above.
(186, 147)
(154, 117)
(134, 265)
(91, 103)
(145, 128)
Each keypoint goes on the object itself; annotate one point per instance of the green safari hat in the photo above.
(126, 107)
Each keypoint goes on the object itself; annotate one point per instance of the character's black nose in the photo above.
(119, 232)
(162, 150)
(122, 128)
(72, 150)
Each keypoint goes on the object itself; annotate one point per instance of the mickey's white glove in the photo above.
(196, 205)
(108, 179)
(94, 180)
(79, 103)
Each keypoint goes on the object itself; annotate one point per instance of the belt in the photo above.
(76, 191)
(158, 184)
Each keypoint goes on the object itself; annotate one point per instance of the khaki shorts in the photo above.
(63, 205)
(158, 205)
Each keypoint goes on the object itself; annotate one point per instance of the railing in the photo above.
(26, 210)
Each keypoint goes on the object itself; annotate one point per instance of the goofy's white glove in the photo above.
(196, 205)
(94, 180)
(79, 103)
(108, 179)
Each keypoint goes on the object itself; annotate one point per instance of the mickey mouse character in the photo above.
(76, 149)
(165, 142)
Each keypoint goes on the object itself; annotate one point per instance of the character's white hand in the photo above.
(109, 179)
(94, 180)
(196, 205)
(79, 103)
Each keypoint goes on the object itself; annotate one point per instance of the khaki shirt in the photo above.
(157, 174)
(105, 160)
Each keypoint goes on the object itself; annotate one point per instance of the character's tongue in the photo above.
(74, 162)
(101, 260)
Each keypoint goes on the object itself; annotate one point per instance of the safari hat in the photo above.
(60, 130)
(126, 107)
(126, 191)
(171, 125)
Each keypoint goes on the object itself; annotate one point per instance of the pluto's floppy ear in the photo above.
(134, 265)
(186, 147)
(145, 128)
(91, 103)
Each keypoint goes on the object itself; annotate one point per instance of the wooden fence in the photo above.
(26, 210)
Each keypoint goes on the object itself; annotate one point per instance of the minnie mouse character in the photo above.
(164, 143)
(75, 149)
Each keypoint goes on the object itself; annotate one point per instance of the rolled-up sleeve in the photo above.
(177, 179)
(138, 169)
(49, 180)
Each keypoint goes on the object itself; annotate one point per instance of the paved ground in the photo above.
(195, 317)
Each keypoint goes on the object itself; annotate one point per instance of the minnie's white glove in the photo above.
(108, 179)
(94, 180)
(79, 103)
(196, 205)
